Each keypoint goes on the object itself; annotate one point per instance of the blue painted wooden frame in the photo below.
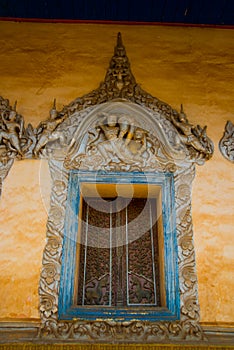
(67, 310)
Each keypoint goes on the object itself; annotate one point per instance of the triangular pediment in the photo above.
(120, 84)
(19, 141)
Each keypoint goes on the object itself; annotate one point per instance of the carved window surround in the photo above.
(74, 140)
(79, 182)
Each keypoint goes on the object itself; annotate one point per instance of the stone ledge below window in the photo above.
(24, 335)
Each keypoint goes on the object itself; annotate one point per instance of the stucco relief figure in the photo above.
(46, 131)
(109, 129)
(117, 133)
(11, 130)
(115, 143)
(141, 145)
(226, 144)
(194, 136)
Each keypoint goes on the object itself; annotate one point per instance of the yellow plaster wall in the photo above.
(193, 66)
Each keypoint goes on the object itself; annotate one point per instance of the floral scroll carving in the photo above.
(187, 328)
(226, 144)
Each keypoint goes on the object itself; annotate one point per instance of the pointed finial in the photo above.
(203, 133)
(53, 111)
(14, 107)
(119, 80)
(183, 116)
(54, 104)
(119, 40)
(120, 49)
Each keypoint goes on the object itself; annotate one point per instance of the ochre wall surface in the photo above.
(193, 66)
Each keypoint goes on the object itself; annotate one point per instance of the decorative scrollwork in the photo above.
(126, 331)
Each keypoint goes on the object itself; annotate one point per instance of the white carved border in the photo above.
(187, 328)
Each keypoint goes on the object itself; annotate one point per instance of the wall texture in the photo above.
(193, 66)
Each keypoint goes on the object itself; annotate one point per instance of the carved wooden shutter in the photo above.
(111, 272)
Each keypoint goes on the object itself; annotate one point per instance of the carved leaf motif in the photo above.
(53, 246)
(57, 213)
(191, 308)
(186, 244)
(59, 187)
(189, 276)
(50, 274)
(48, 307)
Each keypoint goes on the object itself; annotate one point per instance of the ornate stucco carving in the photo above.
(16, 141)
(120, 83)
(11, 127)
(115, 136)
(226, 144)
(157, 139)
(101, 132)
(187, 328)
(19, 142)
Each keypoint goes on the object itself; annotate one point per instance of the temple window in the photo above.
(122, 164)
(119, 250)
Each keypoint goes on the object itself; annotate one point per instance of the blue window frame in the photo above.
(169, 308)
